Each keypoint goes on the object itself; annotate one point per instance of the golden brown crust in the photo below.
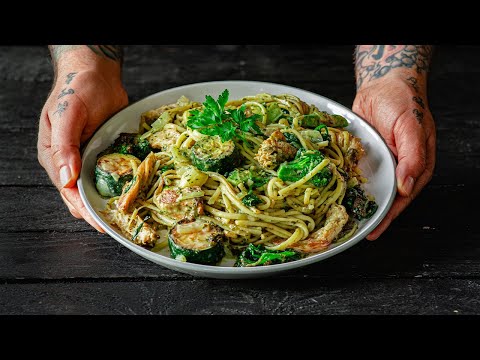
(274, 151)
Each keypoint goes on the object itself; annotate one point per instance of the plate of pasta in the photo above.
(237, 179)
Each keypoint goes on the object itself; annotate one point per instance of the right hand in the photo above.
(68, 119)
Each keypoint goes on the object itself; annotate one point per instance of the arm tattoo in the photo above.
(112, 52)
(70, 77)
(417, 113)
(413, 82)
(374, 61)
(61, 107)
(419, 101)
(65, 92)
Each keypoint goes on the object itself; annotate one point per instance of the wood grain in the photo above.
(428, 262)
(255, 297)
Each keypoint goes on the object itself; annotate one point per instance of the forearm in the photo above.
(409, 62)
(105, 59)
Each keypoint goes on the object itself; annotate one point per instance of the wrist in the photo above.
(78, 59)
(375, 64)
(397, 77)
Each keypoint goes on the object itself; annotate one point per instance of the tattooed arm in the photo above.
(392, 96)
(87, 90)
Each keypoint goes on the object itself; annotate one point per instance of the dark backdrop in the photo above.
(426, 263)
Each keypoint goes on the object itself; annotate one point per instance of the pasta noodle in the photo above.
(305, 214)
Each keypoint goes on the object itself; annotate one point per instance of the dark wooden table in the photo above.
(428, 262)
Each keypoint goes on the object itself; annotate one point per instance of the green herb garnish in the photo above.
(215, 120)
(323, 126)
(258, 255)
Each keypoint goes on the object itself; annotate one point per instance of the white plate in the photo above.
(378, 166)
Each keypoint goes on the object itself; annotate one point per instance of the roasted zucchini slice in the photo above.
(129, 144)
(197, 241)
(112, 172)
(211, 154)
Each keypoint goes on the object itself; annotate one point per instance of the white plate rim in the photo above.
(233, 272)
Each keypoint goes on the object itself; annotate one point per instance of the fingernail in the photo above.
(65, 175)
(408, 185)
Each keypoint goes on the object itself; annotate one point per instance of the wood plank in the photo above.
(260, 297)
(458, 156)
(327, 70)
(458, 149)
(428, 240)
(18, 159)
(80, 255)
(47, 212)
(426, 253)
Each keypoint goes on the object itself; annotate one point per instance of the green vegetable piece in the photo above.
(139, 228)
(253, 177)
(327, 135)
(245, 124)
(258, 255)
(274, 113)
(167, 167)
(137, 231)
(129, 144)
(321, 117)
(198, 241)
(322, 178)
(237, 176)
(112, 172)
(215, 120)
(357, 203)
(310, 121)
(251, 199)
(211, 154)
(304, 162)
(293, 140)
(339, 121)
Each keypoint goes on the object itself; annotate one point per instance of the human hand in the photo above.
(396, 106)
(80, 101)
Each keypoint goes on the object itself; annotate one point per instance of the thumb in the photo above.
(68, 121)
(411, 146)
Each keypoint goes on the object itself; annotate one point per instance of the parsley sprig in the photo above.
(215, 120)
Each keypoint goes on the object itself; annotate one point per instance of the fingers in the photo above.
(412, 154)
(401, 202)
(58, 152)
(72, 197)
(67, 128)
(72, 209)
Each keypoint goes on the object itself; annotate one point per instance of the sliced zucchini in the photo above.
(198, 241)
(178, 204)
(211, 154)
(112, 172)
(129, 144)
(317, 118)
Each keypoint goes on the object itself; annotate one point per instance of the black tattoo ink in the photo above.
(66, 92)
(419, 101)
(378, 60)
(413, 82)
(418, 115)
(61, 108)
(70, 77)
(113, 52)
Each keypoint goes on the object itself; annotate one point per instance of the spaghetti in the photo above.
(293, 188)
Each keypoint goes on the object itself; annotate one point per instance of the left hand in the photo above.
(394, 107)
